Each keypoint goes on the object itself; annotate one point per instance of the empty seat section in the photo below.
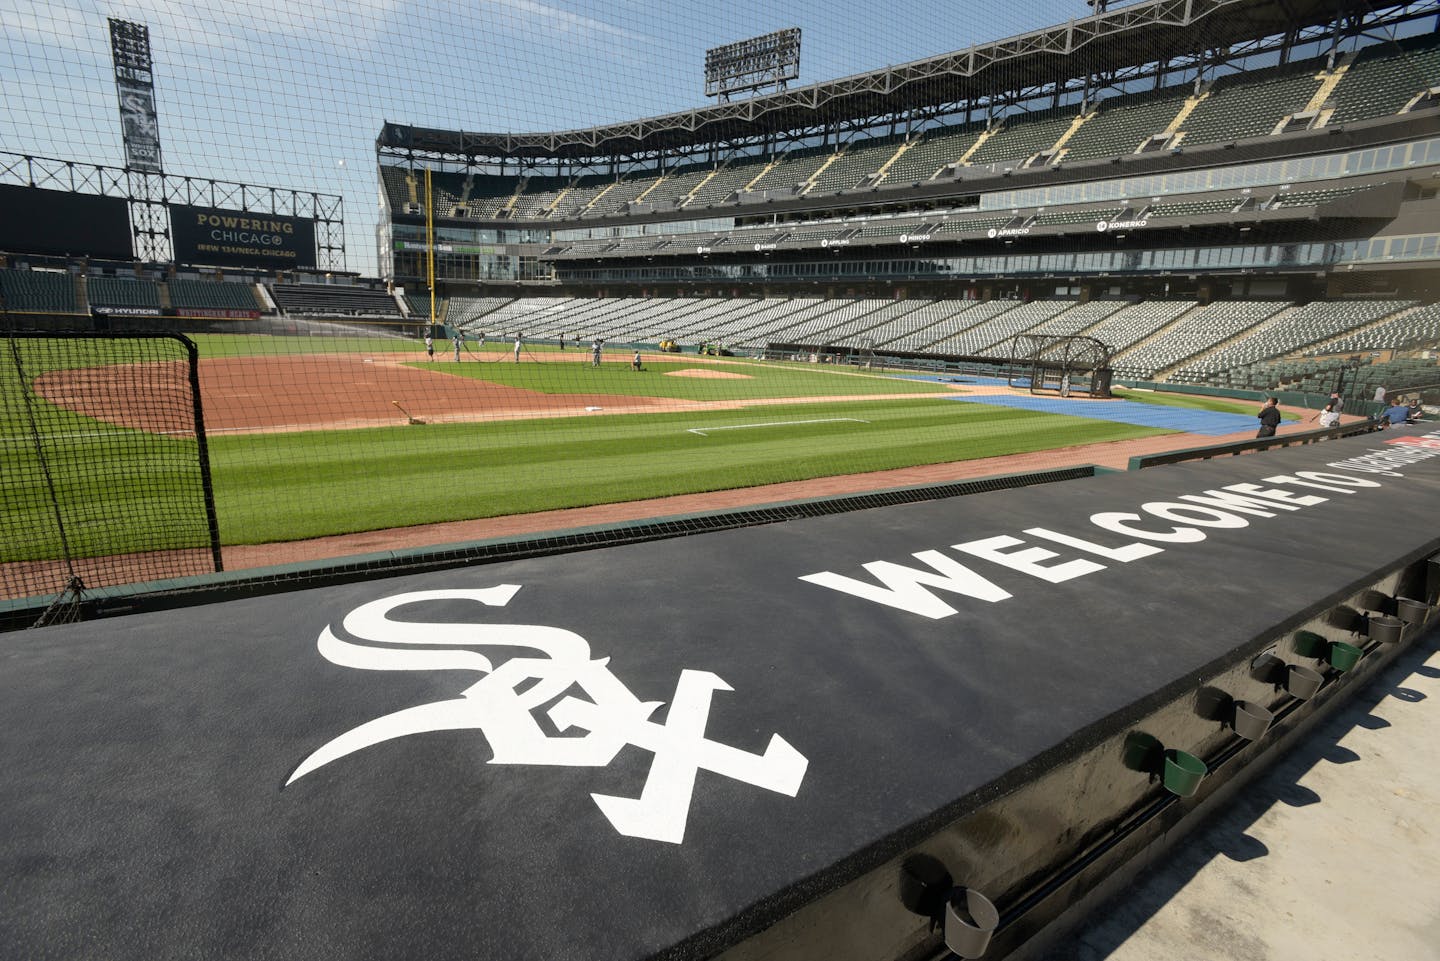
(530, 315)
(815, 235)
(794, 169)
(1411, 329)
(739, 323)
(399, 188)
(972, 225)
(919, 327)
(469, 313)
(656, 319)
(1130, 325)
(122, 292)
(969, 329)
(747, 322)
(1313, 198)
(889, 230)
(1196, 332)
(1292, 330)
(1195, 208)
(621, 195)
(675, 186)
(211, 295)
(1078, 318)
(833, 326)
(1001, 332)
(40, 291)
(1075, 216)
(937, 149)
(1385, 77)
(328, 300)
(807, 327)
(580, 195)
(1124, 124)
(728, 179)
(1023, 136)
(1250, 104)
(860, 159)
(878, 325)
(482, 195)
(537, 196)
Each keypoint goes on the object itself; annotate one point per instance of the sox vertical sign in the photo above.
(135, 85)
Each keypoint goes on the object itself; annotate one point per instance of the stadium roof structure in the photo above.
(1152, 31)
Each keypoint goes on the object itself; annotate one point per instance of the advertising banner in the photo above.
(220, 313)
(107, 311)
(35, 221)
(140, 127)
(232, 238)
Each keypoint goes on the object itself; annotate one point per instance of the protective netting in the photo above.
(104, 471)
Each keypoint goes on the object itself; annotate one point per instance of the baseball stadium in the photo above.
(354, 326)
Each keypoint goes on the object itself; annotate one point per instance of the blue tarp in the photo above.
(1209, 423)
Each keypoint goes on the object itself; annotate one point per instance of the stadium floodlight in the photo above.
(754, 64)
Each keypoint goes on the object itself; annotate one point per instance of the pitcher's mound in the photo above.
(712, 374)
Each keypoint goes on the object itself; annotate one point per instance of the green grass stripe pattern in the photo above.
(754, 381)
(289, 486)
(364, 480)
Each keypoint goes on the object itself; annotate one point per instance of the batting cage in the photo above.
(1061, 364)
(105, 470)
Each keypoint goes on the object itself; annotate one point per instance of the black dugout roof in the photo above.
(646, 751)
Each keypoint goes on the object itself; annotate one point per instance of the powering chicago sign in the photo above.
(232, 238)
(502, 704)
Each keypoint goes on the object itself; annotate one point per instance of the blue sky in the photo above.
(292, 94)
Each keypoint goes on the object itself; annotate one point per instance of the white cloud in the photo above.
(555, 19)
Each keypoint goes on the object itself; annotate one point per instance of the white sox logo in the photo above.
(500, 704)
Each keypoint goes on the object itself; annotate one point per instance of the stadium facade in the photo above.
(1212, 149)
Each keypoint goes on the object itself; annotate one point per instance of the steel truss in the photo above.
(150, 194)
(1165, 36)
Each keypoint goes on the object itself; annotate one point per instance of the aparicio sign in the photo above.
(232, 238)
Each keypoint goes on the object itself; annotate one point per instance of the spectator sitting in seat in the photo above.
(1398, 413)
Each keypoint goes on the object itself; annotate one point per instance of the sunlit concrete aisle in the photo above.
(1332, 855)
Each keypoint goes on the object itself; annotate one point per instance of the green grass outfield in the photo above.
(287, 486)
(363, 480)
(1195, 402)
(755, 381)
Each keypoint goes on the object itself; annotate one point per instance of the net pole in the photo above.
(207, 484)
(430, 246)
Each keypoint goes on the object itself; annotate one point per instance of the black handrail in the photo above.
(1143, 461)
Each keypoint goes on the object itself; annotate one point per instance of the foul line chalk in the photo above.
(704, 431)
